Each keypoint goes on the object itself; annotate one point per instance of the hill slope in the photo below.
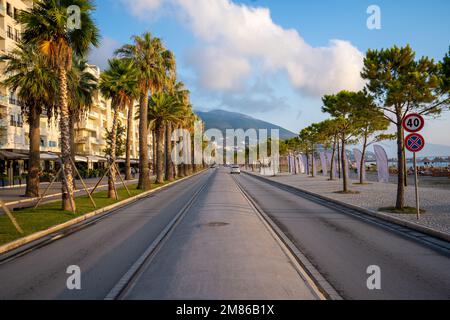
(222, 120)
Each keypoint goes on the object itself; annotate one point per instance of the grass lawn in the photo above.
(49, 215)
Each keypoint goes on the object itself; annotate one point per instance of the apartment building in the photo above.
(90, 132)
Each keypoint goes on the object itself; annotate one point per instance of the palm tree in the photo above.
(36, 86)
(153, 62)
(46, 25)
(134, 96)
(82, 85)
(162, 108)
(117, 83)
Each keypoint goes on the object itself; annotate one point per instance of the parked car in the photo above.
(235, 170)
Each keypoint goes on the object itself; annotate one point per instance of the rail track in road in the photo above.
(132, 275)
(342, 244)
(303, 266)
(316, 284)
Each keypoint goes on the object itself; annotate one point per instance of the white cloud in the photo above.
(142, 7)
(99, 56)
(238, 41)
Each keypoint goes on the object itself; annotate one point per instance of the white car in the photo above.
(235, 170)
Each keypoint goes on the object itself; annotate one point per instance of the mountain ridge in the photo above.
(223, 120)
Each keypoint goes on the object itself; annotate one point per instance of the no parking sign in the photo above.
(414, 142)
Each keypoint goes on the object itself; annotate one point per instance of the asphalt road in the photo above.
(222, 250)
(104, 251)
(342, 247)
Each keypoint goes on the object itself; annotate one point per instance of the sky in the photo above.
(275, 59)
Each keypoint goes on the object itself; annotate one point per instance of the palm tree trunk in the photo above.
(312, 162)
(159, 152)
(129, 139)
(32, 189)
(154, 150)
(68, 202)
(111, 190)
(169, 163)
(144, 174)
(72, 143)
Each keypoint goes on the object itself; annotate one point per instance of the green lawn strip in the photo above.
(50, 214)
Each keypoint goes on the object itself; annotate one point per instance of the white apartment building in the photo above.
(90, 132)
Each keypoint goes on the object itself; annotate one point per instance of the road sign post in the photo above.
(415, 143)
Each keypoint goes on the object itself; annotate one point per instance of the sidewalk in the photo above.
(377, 195)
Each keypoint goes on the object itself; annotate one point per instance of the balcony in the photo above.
(2, 11)
(3, 100)
(94, 115)
(96, 141)
(2, 34)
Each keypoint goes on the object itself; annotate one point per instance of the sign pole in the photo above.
(416, 180)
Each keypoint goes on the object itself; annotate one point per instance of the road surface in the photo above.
(221, 249)
(342, 247)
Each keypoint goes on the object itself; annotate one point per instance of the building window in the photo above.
(17, 35)
(16, 121)
(16, 13)
(52, 144)
(43, 142)
(9, 10)
(10, 33)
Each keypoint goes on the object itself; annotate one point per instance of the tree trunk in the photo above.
(333, 156)
(344, 164)
(339, 159)
(169, 163)
(144, 174)
(32, 189)
(400, 203)
(154, 151)
(111, 178)
(307, 163)
(363, 163)
(312, 162)
(72, 144)
(68, 201)
(129, 141)
(159, 152)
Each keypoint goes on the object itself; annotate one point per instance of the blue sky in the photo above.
(274, 59)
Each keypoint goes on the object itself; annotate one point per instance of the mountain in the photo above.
(222, 120)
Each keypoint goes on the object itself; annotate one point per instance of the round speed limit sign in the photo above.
(413, 122)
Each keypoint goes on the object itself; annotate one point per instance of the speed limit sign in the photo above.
(413, 123)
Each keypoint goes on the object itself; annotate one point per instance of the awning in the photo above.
(132, 161)
(49, 157)
(96, 159)
(7, 155)
(81, 159)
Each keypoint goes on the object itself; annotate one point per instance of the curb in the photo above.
(58, 228)
(414, 226)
